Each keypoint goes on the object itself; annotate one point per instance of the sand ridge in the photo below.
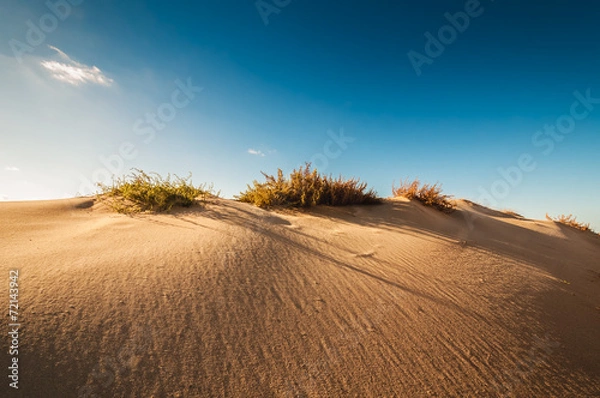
(228, 300)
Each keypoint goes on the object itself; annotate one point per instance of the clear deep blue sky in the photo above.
(272, 92)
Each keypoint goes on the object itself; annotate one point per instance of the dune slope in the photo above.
(229, 300)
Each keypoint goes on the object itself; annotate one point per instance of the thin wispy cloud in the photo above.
(11, 168)
(73, 72)
(256, 152)
(60, 52)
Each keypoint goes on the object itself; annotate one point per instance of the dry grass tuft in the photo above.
(305, 187)
(512, 213)
(571, 221)
(140, 191)
(429, 195)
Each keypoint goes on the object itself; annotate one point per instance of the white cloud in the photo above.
(60, 52)
(11, 168)
(73, 72)
(255, 152)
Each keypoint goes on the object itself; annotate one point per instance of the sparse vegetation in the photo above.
(512, 213)
(571, 221)
(429, 195)
(140, 191)
(306, 187)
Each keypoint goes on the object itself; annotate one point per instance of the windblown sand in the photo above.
(228, 300)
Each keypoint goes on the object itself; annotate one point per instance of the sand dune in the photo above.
(228, 300)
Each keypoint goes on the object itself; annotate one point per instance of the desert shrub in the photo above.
(511, 213)
(571, 221)
(140, 191)
(305, 187)
(429, 195)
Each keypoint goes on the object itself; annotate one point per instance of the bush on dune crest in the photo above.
(305, 187)
(140, 191)
(512, 213)
(429, 195)
(571, 222)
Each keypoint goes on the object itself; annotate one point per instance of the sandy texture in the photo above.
(233, 301)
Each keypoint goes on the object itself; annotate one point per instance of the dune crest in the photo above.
(228, 299)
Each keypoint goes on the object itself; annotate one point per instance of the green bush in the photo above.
(429, 195)
(306, 187)
(141, 192)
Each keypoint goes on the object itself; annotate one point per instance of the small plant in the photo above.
(140, 191)
(306, 187)
(570, 221)
(429, 195)
(512, 213)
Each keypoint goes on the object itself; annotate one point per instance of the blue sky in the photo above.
(230, 88)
